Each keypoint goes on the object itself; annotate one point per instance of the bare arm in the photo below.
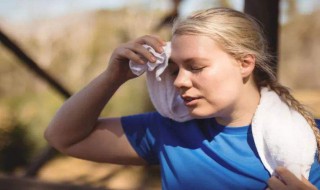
(76, 129)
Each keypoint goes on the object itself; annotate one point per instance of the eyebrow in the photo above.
(189, 60)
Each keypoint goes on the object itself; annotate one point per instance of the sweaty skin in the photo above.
(219, 85)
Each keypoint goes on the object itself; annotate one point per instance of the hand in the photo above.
(133, 50)
(288, 181)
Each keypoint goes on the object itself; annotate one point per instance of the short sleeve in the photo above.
(314, 177)
(142, 132)
(318, 123)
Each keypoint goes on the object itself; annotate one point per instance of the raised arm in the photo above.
(77, 130)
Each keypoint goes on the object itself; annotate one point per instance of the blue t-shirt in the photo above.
(200, 154)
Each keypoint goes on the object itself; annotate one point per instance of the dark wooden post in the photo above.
(267, 13)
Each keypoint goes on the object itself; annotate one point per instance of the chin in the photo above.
(201, 114)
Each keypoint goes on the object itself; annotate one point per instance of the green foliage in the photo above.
(16, 147)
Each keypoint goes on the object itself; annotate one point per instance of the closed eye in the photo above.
(196, 69)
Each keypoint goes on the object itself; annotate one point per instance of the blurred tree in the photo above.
(292, 8)
(17, 141)
(225, 3)
(15, 146)
(267, 13)
(169, 18)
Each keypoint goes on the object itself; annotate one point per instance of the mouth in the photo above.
(189, 100)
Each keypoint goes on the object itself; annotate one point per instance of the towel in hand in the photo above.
(164, 96)
(158, 67)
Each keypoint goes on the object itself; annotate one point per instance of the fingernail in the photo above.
(160, 49)
(153, 59)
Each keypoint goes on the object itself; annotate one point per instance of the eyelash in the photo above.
(196, 69)
(193, 70)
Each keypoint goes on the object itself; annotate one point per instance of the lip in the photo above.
(189, 100)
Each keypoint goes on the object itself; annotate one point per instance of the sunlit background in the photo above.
(72, 40)
(26, 11)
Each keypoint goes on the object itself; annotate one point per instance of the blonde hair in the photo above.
(239, 35)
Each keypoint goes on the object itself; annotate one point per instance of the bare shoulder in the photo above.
(106, 143)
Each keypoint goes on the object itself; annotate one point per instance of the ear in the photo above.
(247, 64)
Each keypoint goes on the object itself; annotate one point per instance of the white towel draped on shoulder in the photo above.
(282, 135)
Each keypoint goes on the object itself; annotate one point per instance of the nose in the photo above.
(182, 80)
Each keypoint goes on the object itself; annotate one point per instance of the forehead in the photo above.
(189, 46)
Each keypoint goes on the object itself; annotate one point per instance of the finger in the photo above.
(304, 179)
(275, 183)
(155, 38)
(286, 176)
(307, 183)
(130, 55)
(141, 51)
(154, 41)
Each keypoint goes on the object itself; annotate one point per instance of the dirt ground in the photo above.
(80, 172)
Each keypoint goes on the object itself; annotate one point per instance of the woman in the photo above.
(220, 63)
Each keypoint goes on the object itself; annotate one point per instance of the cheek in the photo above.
(221, 87)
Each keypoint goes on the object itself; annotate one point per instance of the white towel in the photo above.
(164, 96)
(282, 135)
(158, 67)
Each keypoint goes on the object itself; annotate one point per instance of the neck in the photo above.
(242, 112)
